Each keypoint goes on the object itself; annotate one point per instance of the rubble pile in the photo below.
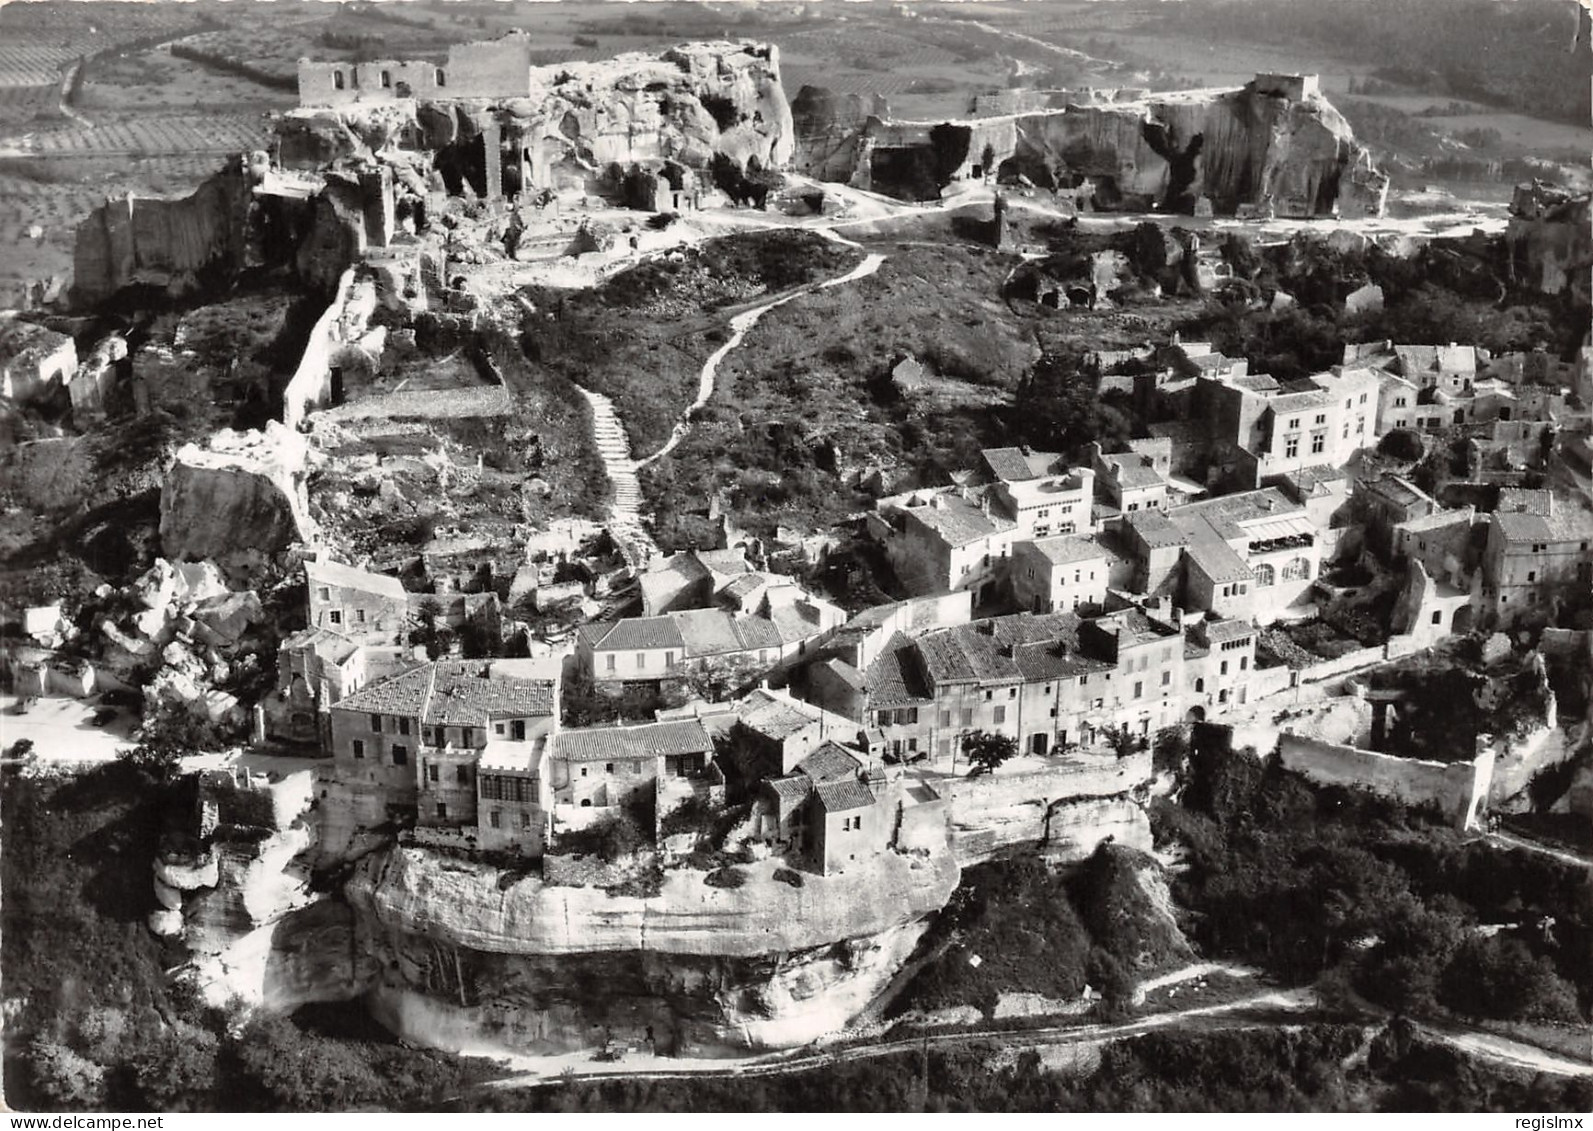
(185, 633)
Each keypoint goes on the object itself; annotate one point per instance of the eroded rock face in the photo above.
(1550, 238)
(238, 501)
(686, 105)
(1266, 148)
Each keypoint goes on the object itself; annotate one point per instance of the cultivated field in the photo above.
(33, 64)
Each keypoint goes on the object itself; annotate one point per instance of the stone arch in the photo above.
(1462, 622)
(1265, 575)
(1195, 715)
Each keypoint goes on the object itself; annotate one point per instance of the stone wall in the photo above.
(1458, 789)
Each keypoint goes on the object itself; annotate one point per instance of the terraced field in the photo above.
(224, 133)
(33, 64)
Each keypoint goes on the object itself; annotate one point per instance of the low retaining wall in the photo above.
(1458, 789)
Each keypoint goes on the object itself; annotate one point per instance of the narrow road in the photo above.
(1287, 1002)
(739, 325)
(1514, 840)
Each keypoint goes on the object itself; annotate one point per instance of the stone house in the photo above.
(1064, 573)
(944, 540)
(829, 811)
(1264, 534)
(1385, 503)
(601, 767)
(1135, 479)
(1536, 543)
(1038, 491)
(1219, 660)
(363, 606)
(650, 649)
(415, 738)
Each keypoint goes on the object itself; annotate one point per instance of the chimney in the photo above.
(1009, 651)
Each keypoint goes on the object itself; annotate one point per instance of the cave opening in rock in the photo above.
(463, 163)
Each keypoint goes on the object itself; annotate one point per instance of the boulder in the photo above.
(241, 498)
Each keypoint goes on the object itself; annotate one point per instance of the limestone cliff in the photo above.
(1275, 145)
(237, 501)
(1550, 238)
(572, 121)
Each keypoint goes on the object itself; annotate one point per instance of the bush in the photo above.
(1402, 444)
(725, 878)
(787, 876)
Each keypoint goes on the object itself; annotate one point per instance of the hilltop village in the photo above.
(526, 732)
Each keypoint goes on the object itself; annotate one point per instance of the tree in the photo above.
(987, 160)
(985, 751)
(1123, 741)
(64, 1079)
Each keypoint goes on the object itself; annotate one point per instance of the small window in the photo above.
(611, 658)
(359, 748)
(1224, 669)
(442, 811)
(1000, 715)
(1167, 678)
(525, 820)
(376, 724)
(337, 80)
(669, 659)
(1244, 663)
(462, 775)
(1438, 616)
(967, 716)
(403, 726)
(442, 77)
(945, 718)
(494, 819)
(324, 593)
(583, 771)
(641, 660)
(387, 79)
(608, 767)
(1012, 693)
(1139, 688)
(400, 755)
(359, 616)
(431, 771)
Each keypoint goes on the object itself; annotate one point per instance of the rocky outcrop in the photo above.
(568, 123)
(164, 243)
(1550, 238)
(1067, 808)
(1277, 146)
(829, 128)
(237, 502)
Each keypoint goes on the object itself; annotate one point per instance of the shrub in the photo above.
(1402, 444)
(725, 878)
(787, 876)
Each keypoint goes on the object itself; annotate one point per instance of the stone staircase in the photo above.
(625, 508)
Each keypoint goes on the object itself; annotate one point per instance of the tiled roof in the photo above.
(1395, 489)
(652, 740)
(1556, 527)
(1014, 465)
(1054, 660)
(760, 632)
(845, 672)
(331, 647)
(892, 679)
(830, 762)
(1133, 471)
(1155, 529)
(347, 577)
(1521, 500)
(1130, 626)
(1226, 512)
(638, 634)
(774, 716)
(463, 695)
(957, 521)
(1217, 560)
(790, 791)
(707, 632)
(402, 694)
(988, 651)
(1286, 403)
(743, 585)
(723, 561)
(1256, 383)
(1065, 549)
(794, 622)
(1218, 631)
(839, 796)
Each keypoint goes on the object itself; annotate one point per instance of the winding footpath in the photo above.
(625, 522)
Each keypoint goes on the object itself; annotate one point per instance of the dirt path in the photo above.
(739, 325)
(1514, 840)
